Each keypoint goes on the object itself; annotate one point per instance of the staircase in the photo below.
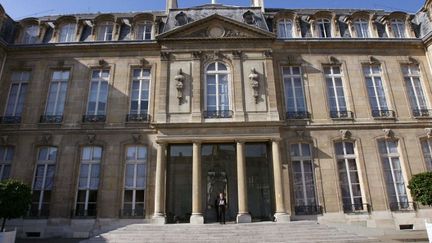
(304, 231)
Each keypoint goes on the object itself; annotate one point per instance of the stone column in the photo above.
(243, 215)
(159, 205)
(280, 215)
(197, 216)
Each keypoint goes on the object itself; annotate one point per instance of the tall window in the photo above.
(17, 93)
(304, 183)
(398, 28)
(98, 96)
(416, 95)
(31, 34)
(324, 28)
(57, 95)
(335, 90)
(361, 27)
(348, 177)
(427, 153)
(67, 33)
(375, 88)
(217, 88)
(294, 93)
(140, 93)
(88, 183)
(285, 29)
(6, 157)
(135, 181)
(395, 183)
(144, 30)
(43, 181)
(105, 31)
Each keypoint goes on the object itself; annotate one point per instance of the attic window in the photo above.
(249, 17)
(181, 18)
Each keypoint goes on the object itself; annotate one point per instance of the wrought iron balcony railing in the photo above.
(218, 114)
(383, 114)
(341, 114)
(294, 115)
(402, 206)
(10, 119)
(356, 208)
(90, 213)
(138, 212)
(308, 210)
(425, 113)
(51, 119)
(93, 118)
(138, 118)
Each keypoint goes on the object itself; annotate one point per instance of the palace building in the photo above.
(145, 117)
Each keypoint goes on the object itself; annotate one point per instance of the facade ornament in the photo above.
(346, 134)
(45, 139)
(91, 138)
(429, 132)
(300, 134)
(180, 78)
(144, 62)
(254, 82)
(268, 54)
(137, 138)
(412, 60)
(61, 63)
(389, 134)
(237, 54)
(373, 60)
(197, 54)
(4, 139)
(334, 60)
(165, 56)
(103, 63)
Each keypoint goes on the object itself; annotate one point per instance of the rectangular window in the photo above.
(398, 28)
(349, 177)
(98, 95)
(375, 88)
(324, 28)
(285, 29)
(105, 31)
(135, 181)
(295, 101)
(362, 28)
(139, 103)
(31, 34)
(427, 153)
(88, 183)
(43, 181)
(335, 91)
(393, 175)
(67, 33)
(416, 94)
(304, 182)
(17, 94)
(6, 157)
(57, 94)
(144, 31)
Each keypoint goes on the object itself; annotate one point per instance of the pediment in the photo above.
(216, 27)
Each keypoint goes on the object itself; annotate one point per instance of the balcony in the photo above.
(342, 115)
(383, 114)
(138, 118)
(51, 119)
(308, 210)
(10, 120)
(93, 118)
(422, 113)
(218, 114)
(356, 208)
(298, 115)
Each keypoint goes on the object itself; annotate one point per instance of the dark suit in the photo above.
(222, 209)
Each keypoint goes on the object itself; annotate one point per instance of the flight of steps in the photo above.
(304, 231)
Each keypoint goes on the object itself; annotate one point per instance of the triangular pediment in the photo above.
(216, 27)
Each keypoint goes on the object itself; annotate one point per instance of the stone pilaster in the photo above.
(243, 215)
(159, 207)
(280, 215)
(238, 99)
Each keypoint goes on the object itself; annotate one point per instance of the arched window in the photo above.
(361, 27)
(398, 28)
(285, 28)
(324, 28)
(105, 31)
(67, 32)
(144, 30)
(31, 34)
(217, 91)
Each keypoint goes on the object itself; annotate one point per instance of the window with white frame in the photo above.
(349, 179)
(67, 32)
(17, 94)
(140, 91)
(105, 31)
(361, 27)
(6, 157)
(98, 96)
(427, 152)
(395, 183)
(295, 101)
(135, 181)
(285, 28)
(30, 34)
(414, 86)
(43, 181)
(335, 91)
(375, 88)
(57, 93)
(217, 88)
(88, 182)
(144, 30)
(304, 182)
(324, 28)
(398, 28)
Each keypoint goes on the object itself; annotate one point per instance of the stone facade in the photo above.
(182, 45)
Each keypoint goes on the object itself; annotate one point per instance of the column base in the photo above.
(158, 219)
(282, 217)
(243, 218)
(197, 219)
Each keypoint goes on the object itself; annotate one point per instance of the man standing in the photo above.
(222, 207)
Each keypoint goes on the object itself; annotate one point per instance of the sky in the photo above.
(19, 9)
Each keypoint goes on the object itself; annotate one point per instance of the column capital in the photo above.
(276, 139)
(162, 142)
(240, 141)
(199, 142)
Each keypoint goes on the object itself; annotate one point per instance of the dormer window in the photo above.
(361, 27)
(31, 34)
(67, 32)
(144, 30)
(324, 28)
(249, 17)
(285, 28)
(105, 31)
(398, 28)
(181, 19)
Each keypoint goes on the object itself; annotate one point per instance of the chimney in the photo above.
(170, 4)
(258, 3)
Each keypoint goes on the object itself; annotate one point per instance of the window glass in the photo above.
(285, 29)
(67, 32)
